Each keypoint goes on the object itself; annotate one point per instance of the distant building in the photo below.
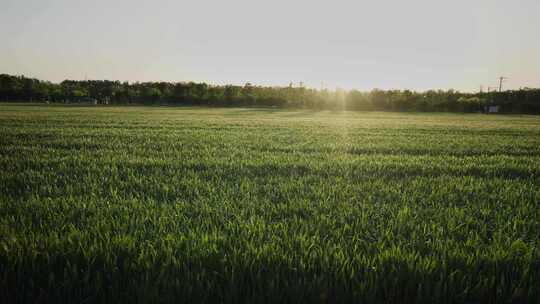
(89, 101)
(492, 109)
(83, 100)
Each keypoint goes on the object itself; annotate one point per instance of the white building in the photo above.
(493, 109)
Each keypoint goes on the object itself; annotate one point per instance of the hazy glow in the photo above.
(417, 44)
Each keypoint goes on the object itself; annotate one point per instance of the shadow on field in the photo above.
(256, 276)
(286, 112)
(400, 152)
(252, 111)
(19, 187)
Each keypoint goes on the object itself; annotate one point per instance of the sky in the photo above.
(413, 44)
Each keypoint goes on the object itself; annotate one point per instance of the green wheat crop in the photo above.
(184, 205)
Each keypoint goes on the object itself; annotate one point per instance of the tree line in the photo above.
(23, 89)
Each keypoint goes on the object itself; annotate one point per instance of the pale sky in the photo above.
(415, 44)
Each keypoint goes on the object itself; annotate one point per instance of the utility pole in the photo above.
(481, 88)
(501, 79)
